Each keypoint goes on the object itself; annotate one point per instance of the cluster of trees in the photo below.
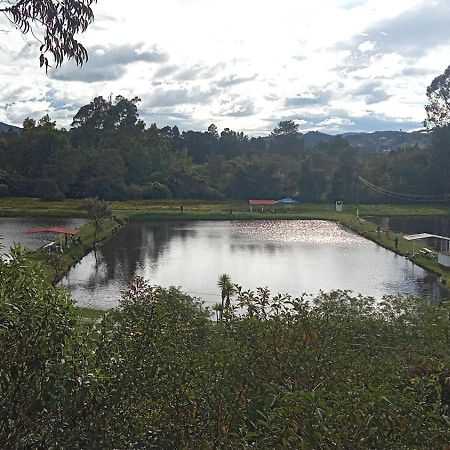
(336, 371)
(109, 153)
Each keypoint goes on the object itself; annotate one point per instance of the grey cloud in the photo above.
(372, 92)
(242, 108)
(411, 34)
(415, 71)
(108, 63)
(194, 72)
(368, 123)
(166, 70)
(314, 98)
(179, 96)
(198, 71)
(234, 80)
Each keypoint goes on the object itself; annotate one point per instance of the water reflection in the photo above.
(287, 256)
(13, 230)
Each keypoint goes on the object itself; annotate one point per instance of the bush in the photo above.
(37, 339)
(335, 371)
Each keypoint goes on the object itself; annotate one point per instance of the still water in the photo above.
(13, 230)
(291, 257)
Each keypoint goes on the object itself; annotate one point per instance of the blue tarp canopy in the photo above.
(287, 201)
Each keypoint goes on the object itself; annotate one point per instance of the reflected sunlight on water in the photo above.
(302, 231)
(293, 257)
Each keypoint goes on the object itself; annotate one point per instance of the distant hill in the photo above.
(312, 138)
(4, 128)
(386, 140)
(379, 140)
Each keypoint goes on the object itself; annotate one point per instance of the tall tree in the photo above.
(97, 210)
(285, 128)
(438, 107)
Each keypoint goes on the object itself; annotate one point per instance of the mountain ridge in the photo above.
(4, 128)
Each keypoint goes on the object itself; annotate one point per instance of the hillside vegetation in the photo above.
(110, 153)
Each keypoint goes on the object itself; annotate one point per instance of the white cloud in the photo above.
(333, 65)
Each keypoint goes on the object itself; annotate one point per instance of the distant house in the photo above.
(262, 204)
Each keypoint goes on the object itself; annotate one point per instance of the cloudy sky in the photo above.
(330, 65)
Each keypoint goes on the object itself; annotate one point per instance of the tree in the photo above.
(438, 108)
(106, 120)
(227, 289)
(285, 128)
(46, 122)
(58, 22)
(212, 129)
(28, 124)
(97, 210)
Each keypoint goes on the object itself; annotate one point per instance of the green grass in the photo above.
(75, 253)
(22, 206)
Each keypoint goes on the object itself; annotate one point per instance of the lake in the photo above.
(13, 230)
(291, 257)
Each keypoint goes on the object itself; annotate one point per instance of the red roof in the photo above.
(59, 230)
(262, 202)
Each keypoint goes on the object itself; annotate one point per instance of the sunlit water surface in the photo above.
(291, 257)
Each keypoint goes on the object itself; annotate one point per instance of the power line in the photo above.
(403, 196)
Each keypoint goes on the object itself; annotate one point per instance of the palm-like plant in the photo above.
(217, 308)
(227, 289)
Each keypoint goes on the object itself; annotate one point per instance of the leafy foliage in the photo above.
(59, 21)
(335, 371)
(438, 108)
(285, 128)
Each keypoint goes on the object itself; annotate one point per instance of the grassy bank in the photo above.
(56, 265)
(207, 209)
(405, 248)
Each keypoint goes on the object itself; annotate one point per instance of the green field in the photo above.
(204, 209)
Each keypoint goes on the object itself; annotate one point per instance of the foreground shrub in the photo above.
(37, 337)
(335, 371)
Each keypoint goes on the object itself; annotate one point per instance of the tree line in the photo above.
(110, 153)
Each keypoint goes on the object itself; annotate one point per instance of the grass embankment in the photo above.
(205, 210)
(56, 265)
(405, 248)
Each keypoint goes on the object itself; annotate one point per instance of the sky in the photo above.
(334, 66)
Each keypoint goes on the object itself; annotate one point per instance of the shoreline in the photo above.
(220, 211)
